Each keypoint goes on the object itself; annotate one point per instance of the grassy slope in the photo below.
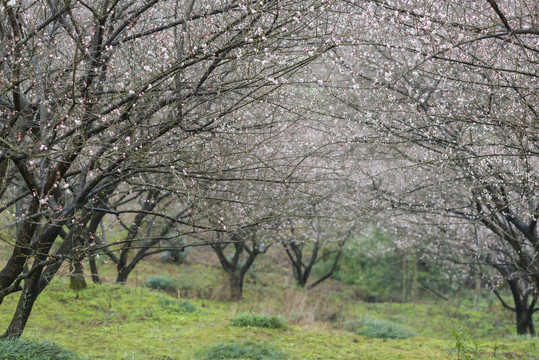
(112, 322)
(133, 322)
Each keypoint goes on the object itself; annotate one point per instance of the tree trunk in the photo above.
(93, 268)
(523, 320)
(405, 275)
(236, 285)
(29, 295)
(76, 277)
(301, 281)
(531, 327)
(413, 287)
(123, 274)
(477, 292)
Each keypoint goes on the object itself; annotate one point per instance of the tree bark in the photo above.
(523, 320)
(523, 310)
(29, 295)
(236, 285)
(93, 268)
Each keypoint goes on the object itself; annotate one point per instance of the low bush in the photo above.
(258, 320)
(242, 350)
(162, 282)
(378, 329)
(29, 350)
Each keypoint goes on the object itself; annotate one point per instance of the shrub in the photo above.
(379, 329)
(162, 282)
(29, 350)
(242, 350)
(258, 320)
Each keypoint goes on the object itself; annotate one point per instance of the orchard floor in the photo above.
(134, 322)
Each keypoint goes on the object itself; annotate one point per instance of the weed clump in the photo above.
(378, 329)
(20, 349)
(162, 282)
(242, 350)
(258, 320)
(466, 346)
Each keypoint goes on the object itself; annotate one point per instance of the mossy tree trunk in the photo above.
(76, 275)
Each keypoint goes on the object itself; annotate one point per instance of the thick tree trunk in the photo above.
(523, 310)
(524, 317)
(523, 320)
(236, 285)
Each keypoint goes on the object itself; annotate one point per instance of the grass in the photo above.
(258, 320)
(123, 322)
(241, 350)
(382, 329)
(135, 322)
(178, 306)
(21, 349)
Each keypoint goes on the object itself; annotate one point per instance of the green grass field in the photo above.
(134, 322)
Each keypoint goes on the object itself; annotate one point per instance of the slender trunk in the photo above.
(404, 279)
(531, 327)
(22, 251)
(93, 268)
(29, 295)
(413, 288)
(477, 292)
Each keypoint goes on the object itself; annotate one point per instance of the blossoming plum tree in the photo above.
(97, 95)
(449, 92)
